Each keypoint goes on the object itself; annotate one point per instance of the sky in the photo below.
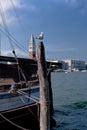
(64, 23)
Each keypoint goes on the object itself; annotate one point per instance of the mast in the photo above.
(32, 48)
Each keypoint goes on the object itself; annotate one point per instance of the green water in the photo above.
(70, 100)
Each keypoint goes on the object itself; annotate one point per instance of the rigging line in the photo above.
(18, 18)
(14, 124)
(14, 40)
(19, 68)
(29, 97)
(17, 65)
(5, 25)
(28, 107)
(26, 95)
(0, 44)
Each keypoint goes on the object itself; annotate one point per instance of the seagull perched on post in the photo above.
(40, 37)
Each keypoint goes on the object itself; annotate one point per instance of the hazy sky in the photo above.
(64, 23)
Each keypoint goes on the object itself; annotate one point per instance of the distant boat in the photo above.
(83, 70)
(58, 70)
(75, 70)
(67, 71)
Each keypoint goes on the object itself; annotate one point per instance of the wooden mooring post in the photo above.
(44, 89)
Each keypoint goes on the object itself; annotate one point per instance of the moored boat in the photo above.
(22, 100)
(18, 97)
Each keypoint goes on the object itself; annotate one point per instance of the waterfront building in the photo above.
(74, 65)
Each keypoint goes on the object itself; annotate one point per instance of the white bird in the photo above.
(40, 37)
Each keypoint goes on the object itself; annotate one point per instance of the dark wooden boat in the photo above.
(19, 95)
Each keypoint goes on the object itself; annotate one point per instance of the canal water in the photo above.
(70, 100)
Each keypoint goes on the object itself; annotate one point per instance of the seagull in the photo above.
(40, 37)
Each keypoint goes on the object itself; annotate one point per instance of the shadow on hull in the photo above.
(21, 119)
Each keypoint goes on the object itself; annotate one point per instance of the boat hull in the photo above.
(26, 118)
(21, 110)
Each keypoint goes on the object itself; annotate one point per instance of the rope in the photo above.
(14, 40)
(5, 24)
(0, 44)
(26, 95)
(29, 109)
(14, 124)
(10, 41)
(29, 97)
(19, 69)
(18, 18)
(6, 29)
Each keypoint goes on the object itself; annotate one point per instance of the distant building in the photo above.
(54, 64)
(86, 64)
(32, 48)
(71, 64)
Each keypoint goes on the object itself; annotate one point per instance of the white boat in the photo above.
(83, 70)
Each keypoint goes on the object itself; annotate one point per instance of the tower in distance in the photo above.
(32, 48)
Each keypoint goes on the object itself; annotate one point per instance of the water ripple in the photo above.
(79, 105)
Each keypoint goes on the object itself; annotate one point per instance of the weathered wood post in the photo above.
(44, 89)
(52, 121)
(50, 91)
